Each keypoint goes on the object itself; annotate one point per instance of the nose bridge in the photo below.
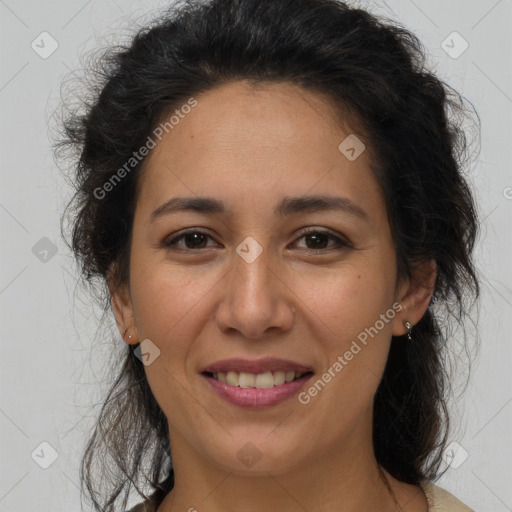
(252, 276)
(253, 300)
(251, 262)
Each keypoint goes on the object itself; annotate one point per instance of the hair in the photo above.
(373, 73)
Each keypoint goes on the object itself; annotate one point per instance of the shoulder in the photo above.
(440, 500)
(140, 508)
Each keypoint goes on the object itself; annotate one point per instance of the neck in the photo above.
(345, 478)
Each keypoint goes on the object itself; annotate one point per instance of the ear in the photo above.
(123, 310)
(414, 295)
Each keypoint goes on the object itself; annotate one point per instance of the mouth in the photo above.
(256, 384)
(264, 380)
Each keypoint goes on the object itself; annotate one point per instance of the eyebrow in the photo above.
(288, 206)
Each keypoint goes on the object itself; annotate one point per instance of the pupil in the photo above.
(317, 240)
(193, 238)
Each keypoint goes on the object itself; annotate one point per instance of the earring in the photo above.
(129, 336)
(408, 326)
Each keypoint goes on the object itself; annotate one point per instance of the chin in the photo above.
(256, 455)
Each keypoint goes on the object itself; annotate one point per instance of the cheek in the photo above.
(346, 301)
(166, 297)
(351, 316)
(169, 305)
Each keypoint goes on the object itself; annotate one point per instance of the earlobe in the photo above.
(415, 296)
(123, 312)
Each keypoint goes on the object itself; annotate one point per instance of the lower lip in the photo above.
(253, 397)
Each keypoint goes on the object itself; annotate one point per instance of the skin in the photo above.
(199, 302)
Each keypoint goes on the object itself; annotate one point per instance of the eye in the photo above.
(191, 240)
(318, 240)
(315, 240)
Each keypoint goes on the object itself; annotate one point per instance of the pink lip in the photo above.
(256, 398)
(268, 364)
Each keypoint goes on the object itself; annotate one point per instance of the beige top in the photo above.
(438, 500)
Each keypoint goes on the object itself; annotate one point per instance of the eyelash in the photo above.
(340, 242)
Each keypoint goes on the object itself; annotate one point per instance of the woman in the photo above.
(272, 193)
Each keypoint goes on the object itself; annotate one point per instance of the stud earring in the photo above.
(408, 326)
(129, 335)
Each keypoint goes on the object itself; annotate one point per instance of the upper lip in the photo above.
(269, 364)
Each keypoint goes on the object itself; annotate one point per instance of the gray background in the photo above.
(52, 355)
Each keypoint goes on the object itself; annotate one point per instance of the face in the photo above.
(289, 266)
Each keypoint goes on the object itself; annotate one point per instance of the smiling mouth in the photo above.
(264, 380)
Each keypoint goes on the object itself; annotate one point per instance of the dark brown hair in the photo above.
(373, 70)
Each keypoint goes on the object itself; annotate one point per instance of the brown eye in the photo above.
(318, 240)
(190, 240)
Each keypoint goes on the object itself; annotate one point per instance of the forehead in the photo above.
(247, 141)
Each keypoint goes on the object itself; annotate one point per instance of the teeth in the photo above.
(264, 380)
(279, 378)
(260, 381)
(246, 380)
(232, 378)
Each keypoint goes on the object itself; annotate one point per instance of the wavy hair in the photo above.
(373, 73)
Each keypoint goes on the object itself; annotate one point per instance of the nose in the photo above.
(255, 300)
